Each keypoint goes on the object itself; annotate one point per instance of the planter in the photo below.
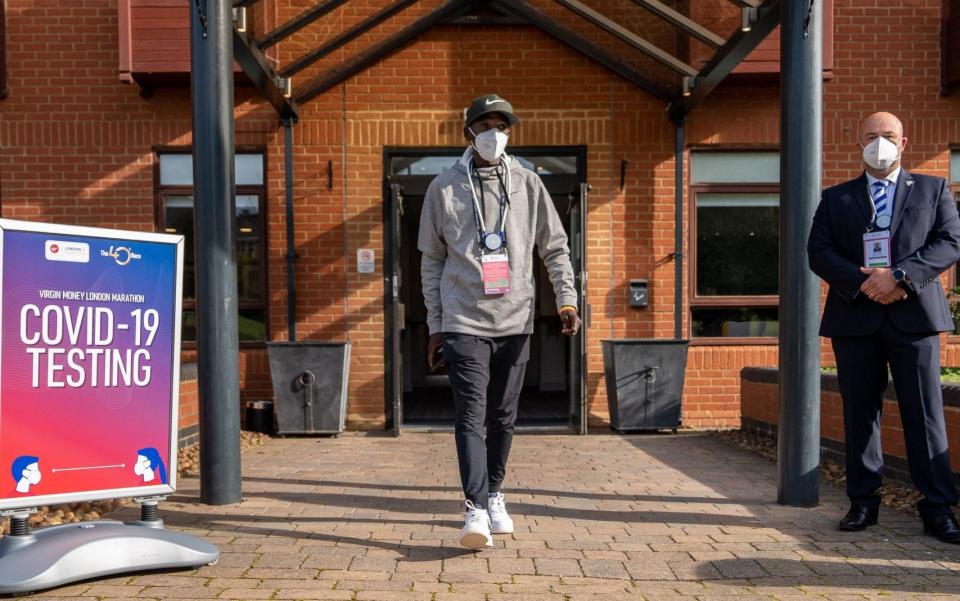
(644, 382)
(258, 416)
(310, 382)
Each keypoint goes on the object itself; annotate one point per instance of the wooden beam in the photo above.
(584, 46)
(683, 22)
(629, 37)
(255, 65)
(378, 52)
(359, 29)
(726, 59)
(297, 23)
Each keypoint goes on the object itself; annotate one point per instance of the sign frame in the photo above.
(10, 225)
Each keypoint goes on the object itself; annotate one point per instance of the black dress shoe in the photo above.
(858, 518)
(944, 527)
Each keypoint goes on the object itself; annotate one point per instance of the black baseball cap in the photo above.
(489, 103)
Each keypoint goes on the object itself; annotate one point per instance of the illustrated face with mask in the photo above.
(29, 477)
(32, 473)
(489, 137)
(882, 141)
(142, 468)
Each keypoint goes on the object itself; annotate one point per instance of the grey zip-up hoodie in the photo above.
(451, 272)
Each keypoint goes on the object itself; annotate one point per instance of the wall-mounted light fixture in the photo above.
(749, 17)
(285, 84)
(240, 18)
(689, 83)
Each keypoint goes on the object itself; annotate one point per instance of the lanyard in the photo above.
(483, 238)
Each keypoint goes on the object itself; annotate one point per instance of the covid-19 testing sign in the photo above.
(89, 363)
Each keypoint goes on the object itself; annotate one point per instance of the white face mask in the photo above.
(490, 144)
(29, 477)
(32, 473)
(142, 468)
(881, 154)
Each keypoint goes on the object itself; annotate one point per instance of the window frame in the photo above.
(953, 182)
(695, 300)
(161, 192)
(3, 50)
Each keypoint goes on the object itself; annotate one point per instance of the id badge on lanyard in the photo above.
(496, 264)
(876, 249)
(496, 274)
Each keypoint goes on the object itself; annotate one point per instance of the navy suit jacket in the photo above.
(925, 242)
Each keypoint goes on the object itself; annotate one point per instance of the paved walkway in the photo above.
(598, 517)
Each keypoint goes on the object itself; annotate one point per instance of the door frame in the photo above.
(560, 187)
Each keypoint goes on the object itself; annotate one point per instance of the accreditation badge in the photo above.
(876, 249)
(496, 274)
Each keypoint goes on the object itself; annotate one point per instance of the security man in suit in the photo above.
(881, 241)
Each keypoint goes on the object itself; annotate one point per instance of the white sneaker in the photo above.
(500, 522)
(476, 528)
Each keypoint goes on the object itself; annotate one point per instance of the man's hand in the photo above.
(880, 285)
(571, 321)
(432, 345)
(898, 294)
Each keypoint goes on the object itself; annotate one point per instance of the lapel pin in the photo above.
(909, 182)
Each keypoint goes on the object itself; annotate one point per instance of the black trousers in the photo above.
(487, 376)
(914, 361)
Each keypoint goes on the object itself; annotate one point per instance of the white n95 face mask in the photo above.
(880, 154)
(490, 144)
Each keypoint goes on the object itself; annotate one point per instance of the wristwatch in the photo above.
(899, 275)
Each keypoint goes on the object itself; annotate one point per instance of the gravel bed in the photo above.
(188, 464)
(898, 496)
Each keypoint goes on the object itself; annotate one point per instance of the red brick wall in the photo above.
(189, 416)
(77, 148)
(760, 404)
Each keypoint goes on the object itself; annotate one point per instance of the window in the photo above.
(949, 49)
(421, 165)
(541, 164)
(735, 244)
(174, 185)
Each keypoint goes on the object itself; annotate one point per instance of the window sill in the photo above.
(259, 344)
(751, 341)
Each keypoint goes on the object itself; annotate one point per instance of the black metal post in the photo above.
(291, 244)
(211, 80)
(678, 230)
(20, 524)
(801, 127)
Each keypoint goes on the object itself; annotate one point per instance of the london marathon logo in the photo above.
(71, 252)
(121, 254)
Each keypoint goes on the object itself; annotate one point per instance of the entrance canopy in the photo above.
(676, 51)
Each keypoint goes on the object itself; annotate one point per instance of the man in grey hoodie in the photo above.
(481, 220)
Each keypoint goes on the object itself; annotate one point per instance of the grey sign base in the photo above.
(55, 555)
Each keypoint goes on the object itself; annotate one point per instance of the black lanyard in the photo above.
(479, 204)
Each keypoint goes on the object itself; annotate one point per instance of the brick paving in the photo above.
(653, 517)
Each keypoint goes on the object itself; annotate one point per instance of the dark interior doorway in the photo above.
(417, 399)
